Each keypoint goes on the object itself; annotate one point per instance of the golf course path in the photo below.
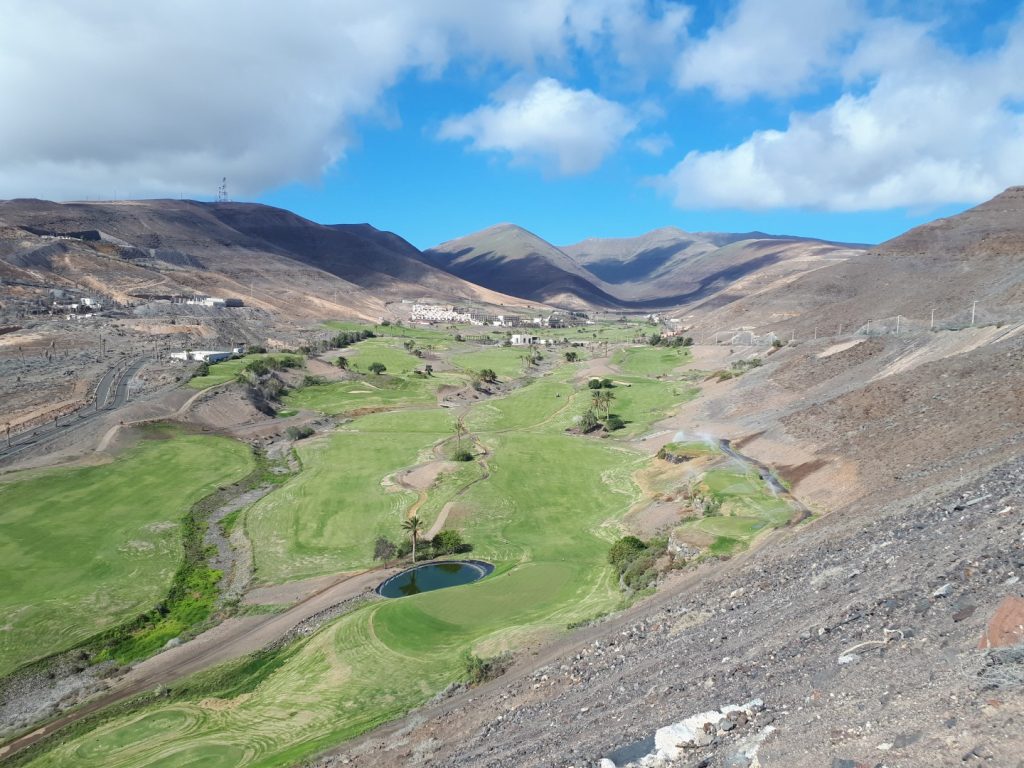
(229, 640)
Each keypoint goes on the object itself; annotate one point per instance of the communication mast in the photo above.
(222, 191)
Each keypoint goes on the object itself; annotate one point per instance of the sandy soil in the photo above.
(422, 476)
(289, 592)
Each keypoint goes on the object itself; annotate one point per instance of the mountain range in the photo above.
(294, 267)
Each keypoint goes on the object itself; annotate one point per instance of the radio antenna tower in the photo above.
(222, 191)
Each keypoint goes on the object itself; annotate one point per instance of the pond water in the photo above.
(426, 578)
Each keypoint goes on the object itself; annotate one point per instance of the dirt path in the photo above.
(229, 640)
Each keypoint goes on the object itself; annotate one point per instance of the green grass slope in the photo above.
(83, 549)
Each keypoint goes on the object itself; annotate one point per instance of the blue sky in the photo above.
(840, 119)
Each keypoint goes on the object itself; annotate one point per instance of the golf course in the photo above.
(523, 469)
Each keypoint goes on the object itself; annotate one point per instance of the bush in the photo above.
(594, 383)
(377, 368)
(203, 369)
(299, 432)
(613, 423)
(257, 367)
(384, 549)
(449, 542)
(313, 381)
(588, 421)
(462, 455)
(624, 551)
(478, 670)
(640, 572)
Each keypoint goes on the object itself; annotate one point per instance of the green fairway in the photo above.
(650, 361)
(383, 391)
(645, 401)
(547, 531)
(538, 405)
(326, 519)
(416, 332)
(389, 352)
(83, 549)
(507, 362)
(222, 373)
(608, 331)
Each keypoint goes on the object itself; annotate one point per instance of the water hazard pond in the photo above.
(431, 576)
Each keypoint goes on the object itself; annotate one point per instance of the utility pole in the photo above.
(897, 325)
(932, 326)
(974, 307)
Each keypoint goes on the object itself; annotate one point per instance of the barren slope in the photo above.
(945, 266)
(270, 257)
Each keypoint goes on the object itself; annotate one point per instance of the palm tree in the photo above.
(413, 525)
(460, 430)
(602, 401)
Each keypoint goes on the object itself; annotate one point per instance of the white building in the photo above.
(207, 355)
(433, 313)
(523, 339)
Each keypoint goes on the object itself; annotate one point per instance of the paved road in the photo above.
(112, 392)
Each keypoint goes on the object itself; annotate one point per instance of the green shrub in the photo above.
(299, 432)
(478, 670)
(449, 542)
(624, 551)
(614, 422)
(462, 455)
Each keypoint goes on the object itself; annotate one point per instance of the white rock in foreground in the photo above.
(671, 740)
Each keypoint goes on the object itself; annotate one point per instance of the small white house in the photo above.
(523, 339)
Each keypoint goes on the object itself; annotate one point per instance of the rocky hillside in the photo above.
(271, 258)
(946, 265)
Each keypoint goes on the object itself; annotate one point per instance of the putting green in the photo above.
(83, 549)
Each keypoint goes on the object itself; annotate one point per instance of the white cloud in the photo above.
(642, 42)
(546, 124)
(144, 98)
(767, 47)
(932, 126)
(655, 145)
